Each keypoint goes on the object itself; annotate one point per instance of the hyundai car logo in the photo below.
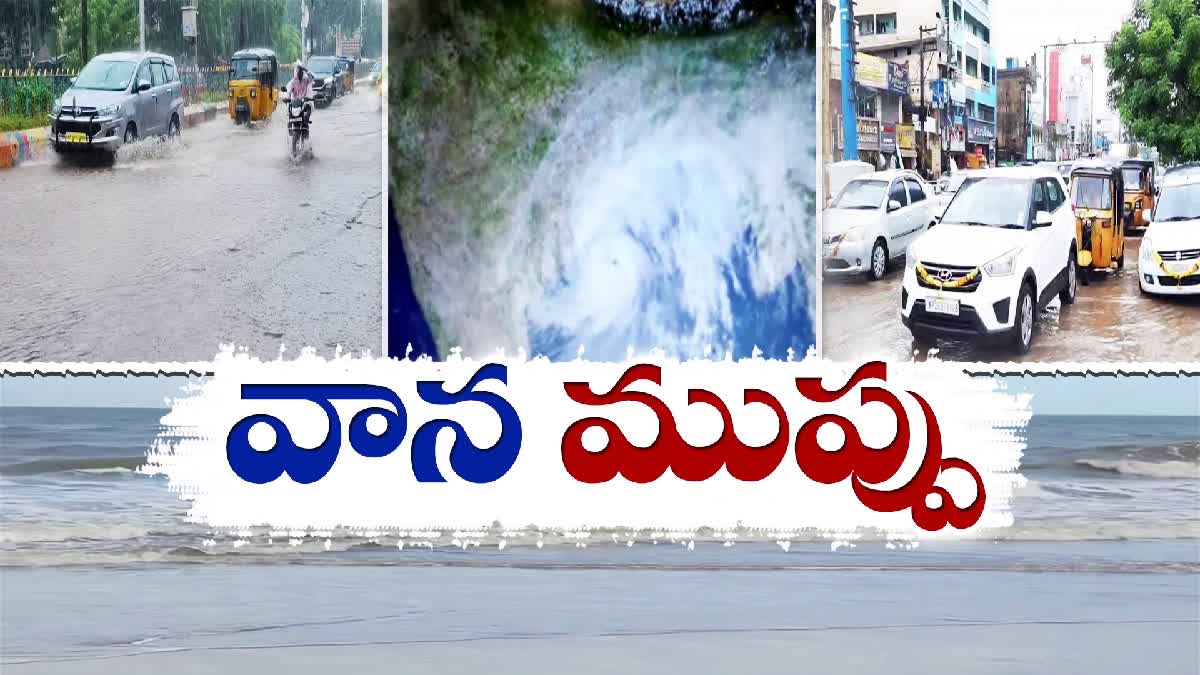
(945, 275)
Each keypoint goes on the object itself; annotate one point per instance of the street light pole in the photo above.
(849, 110)
(142, 25)
(922, 30)
(84, 28)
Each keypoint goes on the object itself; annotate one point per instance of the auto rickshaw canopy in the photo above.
(266, 69)
(1100, 196)
(1145, 174)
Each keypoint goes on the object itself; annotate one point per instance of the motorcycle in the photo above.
(299, 117)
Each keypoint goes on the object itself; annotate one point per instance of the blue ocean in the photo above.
(102, 573)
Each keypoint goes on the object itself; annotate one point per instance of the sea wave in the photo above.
(1132, 467)
(92, 465)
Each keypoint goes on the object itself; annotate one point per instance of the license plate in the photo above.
(76, 137)
(942, 306)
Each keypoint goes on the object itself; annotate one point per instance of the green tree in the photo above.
(112, 26)
(1154, 76)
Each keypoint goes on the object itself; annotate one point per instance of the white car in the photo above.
(1169, 262)
(873, 220)
(1004, 249)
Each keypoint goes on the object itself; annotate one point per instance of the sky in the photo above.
(1051, 396)
(1021, 27)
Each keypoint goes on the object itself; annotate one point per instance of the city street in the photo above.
(177, 248)
(1111, 321)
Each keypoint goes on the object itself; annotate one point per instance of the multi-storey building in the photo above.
(1015, 123)
(960, 69)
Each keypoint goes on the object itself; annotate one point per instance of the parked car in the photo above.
(116, 99)
(1004, 249)
(873, 220)
(328, 78)
(1169, 262)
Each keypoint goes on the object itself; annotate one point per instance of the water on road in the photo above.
(1111, 321)
(174, 249)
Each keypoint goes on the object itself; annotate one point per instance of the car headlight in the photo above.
(1147, 253)
(56, 108)
(1004, 265)
(231, 93)
(853, 234)
(1138, 205)
(253, 93)
(108, 110)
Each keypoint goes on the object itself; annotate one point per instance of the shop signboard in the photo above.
(980, 132)
(887, 138)
(871, 71)
(906, 140)
(898, 78)
(868, 133)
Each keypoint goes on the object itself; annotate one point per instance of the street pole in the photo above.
(83, 30)
(921, 164)
(142, 25)
(849, 110)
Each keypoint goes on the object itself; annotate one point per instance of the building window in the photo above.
(867, 105)
(987, 113)
(985, 74)
(972, 67)
(866, 24)
(885, 24)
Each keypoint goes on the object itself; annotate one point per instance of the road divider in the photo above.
(29, 144)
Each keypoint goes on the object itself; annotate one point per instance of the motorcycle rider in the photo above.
(300, 89)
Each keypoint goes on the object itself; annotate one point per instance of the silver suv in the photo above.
(116, 99)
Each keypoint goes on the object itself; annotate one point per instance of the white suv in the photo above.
(873, 219)
(1169, 263)
(1004, 249)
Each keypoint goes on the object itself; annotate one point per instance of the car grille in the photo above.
(1186, 254)
(1193, 280)
(77, 111)
(949, 273)
(66, 126)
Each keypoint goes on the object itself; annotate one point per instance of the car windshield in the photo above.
(244, 69)
(1179, 202)
(1092, 192)
(105, 75)
(322, 65)
(994, 202)
(1133, 179)
(861, 194)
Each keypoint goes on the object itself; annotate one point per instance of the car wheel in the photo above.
(879, 260)
(1067, 295)
(130, 133)
(1023, 326)
(1121, 261)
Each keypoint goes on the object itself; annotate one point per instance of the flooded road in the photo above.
(1111, 321)
(177, 248)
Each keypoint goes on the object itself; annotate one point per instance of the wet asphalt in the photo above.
(177, 248)
(1111, 321)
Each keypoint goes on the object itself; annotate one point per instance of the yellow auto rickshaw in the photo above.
(347, 74)
(1139, 190)
(1098, 199)
(253, 74)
